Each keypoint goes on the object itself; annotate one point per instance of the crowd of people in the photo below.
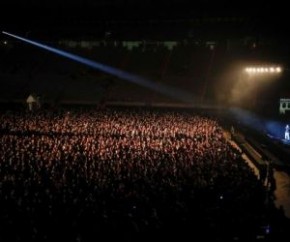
(126, 175)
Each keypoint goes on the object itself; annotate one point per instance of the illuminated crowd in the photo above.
(123, 174)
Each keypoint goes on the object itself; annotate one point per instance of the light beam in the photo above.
(161, 88)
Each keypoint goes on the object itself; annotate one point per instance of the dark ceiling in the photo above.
(59, 10)
(61, 16)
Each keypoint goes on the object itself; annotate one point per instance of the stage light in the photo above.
(263, 70)
(178, 94)
(278, 69)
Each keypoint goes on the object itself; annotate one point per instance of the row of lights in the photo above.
(262, 70)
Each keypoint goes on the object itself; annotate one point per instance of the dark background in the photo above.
(245, 31)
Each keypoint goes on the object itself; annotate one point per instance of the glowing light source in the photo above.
(263, 70)
(158, 87)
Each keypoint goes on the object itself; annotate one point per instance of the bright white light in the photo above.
(259, 70)
(5, 42)
(278, 69)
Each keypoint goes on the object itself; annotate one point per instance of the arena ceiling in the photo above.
(57, 10)
(49, 18)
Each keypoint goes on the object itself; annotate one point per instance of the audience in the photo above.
(127, 175)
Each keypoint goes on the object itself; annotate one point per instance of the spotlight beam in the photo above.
(158, 87)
